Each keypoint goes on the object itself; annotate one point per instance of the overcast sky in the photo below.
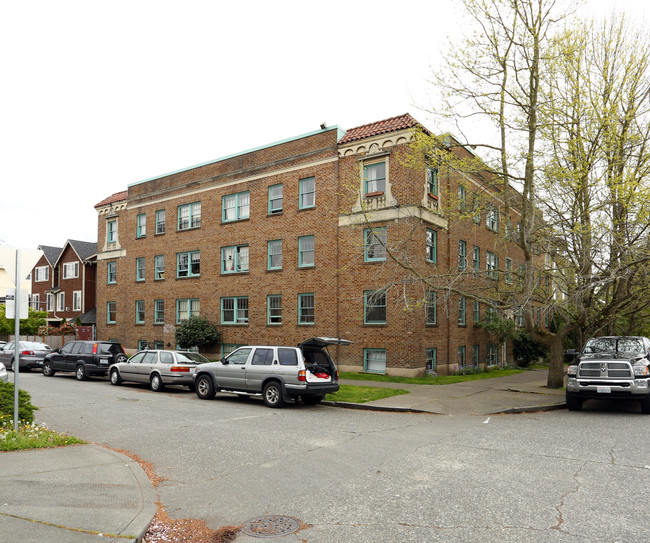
(97, 95)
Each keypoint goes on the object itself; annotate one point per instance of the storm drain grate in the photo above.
(270, 526)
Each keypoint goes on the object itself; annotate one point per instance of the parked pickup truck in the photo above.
(279, 374)
(612, 368)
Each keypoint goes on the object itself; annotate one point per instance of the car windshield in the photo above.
(191, 358)
(614, 345)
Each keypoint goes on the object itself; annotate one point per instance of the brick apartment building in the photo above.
(64, 281)
(300, 238)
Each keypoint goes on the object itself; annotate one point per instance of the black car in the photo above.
(84, 358)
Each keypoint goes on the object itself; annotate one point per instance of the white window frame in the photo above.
(41, 274)
(60, 301)
(67, 274)
(76, 300)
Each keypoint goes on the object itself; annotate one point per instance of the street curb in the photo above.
(367, 407)
(530, 409)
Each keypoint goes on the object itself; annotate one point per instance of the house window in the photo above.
(234, 259)
(492, 265)
(374, 360)
(158, 344)
(306, 309)
(476, 355)
(477, 311)
(462, 255)
(111, 231)
(462, 311)
(432, 359)
(111, 312)
(186, 308)
(492, 354)
(374, 248)
(36, 302)
(374, 178)
(431, 307)
(234, 310)
(140, 269)
(274, 254)
(492, 219)
(374, 307)
(42, 273)
(491, 314)
(111, 272)
(141, 226)
(432, 181)
(159, 312)
(476, 258)
(49, 302)
(70, 270)
(236, 207)
(306, 251)
(307, 193)
(189, 216)
(274, 309)
(462, 355)
(509, 271)
(476, 210)
(160, 221)
(139, 311)
(432, 245)
(159, 267)
(188, 264)
(462, 197)
(275, 198)
(143, 344)
(60, 301)
(76, 300)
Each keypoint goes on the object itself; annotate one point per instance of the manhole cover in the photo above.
(270, 526)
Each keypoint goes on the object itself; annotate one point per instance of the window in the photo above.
(274, 251)
(432, 181)
(476, 258)
(49, 302)
(234, 259)
(159, 312)
(461, 355)
(462, 197)
(76, 300)
(158, 344)
(374, 307)
(111, 312)
(236, 207)
(60, 301)
(42, 273)
(492, 355)
(492, 265)
(431, 307)
(374, 248)
(274, 309)
(186, 308)
(477, 311)
(287, 357)
(142, 345)
(227, 348)
(111, 273)
(374, 360)
(111, 231)
(189, 216)
(492, 219)
(306, 309)
(188, 264)
(160, 221)
(432, 359)
(462, 255)
(306, 251)
(307, 193)
(476, 355)
(141, 226)
(275, 198)
(509, 271)
(159, 267)
(491, 314)
(374, 178)
(432, 245)
(36, 302)
(139, 311)
(234, 310)
(70, 270)
(262, 357)
(140, 269)
(462, 311)
(476, 210)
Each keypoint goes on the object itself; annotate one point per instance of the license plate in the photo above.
(603, 390)
(103, 361)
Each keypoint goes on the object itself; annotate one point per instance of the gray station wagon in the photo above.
(280, 374)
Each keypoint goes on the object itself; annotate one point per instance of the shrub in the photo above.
(197, 332)
(25, 407)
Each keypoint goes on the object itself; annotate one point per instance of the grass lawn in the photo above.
(363, 394)
(32, 436)
(430, 380)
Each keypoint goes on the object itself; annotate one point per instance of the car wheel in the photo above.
(156, 383)
(11, 365)
(80, 373)
(120, 358)
(47, 369)
(205, 387)
(312, 400)
(273, 394)
(573, 404)
(645, 406)
(115, 378)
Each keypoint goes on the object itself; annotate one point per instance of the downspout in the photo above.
(449, 268)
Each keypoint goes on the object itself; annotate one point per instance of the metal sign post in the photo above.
(17, 341)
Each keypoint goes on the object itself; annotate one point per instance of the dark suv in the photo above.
(84, 358)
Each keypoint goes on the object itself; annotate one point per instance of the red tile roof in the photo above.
(117, 197)
(380, 127)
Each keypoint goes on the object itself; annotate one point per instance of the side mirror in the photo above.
(570, 355)
(224, 361)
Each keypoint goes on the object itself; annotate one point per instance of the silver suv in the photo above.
(279, 374)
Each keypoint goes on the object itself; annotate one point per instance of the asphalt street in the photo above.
(362, 476)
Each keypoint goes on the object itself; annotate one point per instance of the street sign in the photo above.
(10, 304)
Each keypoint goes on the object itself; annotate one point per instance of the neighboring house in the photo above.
(288, 241)
(64, 279)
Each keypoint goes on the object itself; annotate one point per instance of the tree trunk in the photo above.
(556, 366)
